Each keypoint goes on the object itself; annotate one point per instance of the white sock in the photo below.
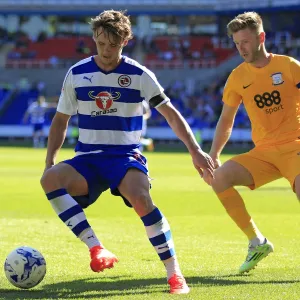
(257, 241)
(172, 266)
(89, 238)
(71, 213)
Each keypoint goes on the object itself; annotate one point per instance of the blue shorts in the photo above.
(38, 127)
(103, 171)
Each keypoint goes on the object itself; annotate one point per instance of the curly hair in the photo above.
(115, 23)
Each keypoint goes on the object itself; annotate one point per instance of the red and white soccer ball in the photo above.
(25, 267)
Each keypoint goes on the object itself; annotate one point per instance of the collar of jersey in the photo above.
(263, 69)
(112, 71)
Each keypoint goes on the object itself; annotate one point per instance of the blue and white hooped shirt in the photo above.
(109, 104)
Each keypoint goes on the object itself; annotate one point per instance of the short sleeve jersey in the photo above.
(108, 104)
(271, 96)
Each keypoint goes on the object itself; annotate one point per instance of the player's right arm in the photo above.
(223, 131)
(67, 106)
(232, 100)
(56, 137)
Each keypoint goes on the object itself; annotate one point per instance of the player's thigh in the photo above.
(64, 176)
(250, 169)
(135, 188)
(288, 163)
(230, 174)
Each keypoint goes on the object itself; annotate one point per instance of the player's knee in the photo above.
(49, 180)
(222, 180)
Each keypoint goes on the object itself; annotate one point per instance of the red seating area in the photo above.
(50, 53)
(61, 47)
(64, 49)
(196, 43)
(209, 56)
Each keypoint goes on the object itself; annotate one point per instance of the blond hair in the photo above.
(251, 20)
(115, 23)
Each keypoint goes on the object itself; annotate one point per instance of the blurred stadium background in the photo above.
(183, 41)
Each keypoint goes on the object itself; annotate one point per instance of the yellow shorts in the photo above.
(268, 163)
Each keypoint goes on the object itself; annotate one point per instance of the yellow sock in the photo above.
(235, 207)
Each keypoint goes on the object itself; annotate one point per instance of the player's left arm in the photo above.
(181, 128)
(153, 93)
(179, 125)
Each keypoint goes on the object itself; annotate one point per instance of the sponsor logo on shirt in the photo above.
(104, 100)
(270, 102)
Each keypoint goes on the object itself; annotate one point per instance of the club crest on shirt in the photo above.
(277, 78)
(104, 100)
(124, 81)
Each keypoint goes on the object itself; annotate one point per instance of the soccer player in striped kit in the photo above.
(107, 90)
(36, 113)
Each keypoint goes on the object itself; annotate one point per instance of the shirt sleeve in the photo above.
(67, 103)
(295, 70)
(230, 94)
(150, 87)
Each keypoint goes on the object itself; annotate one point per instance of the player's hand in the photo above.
(202, 161)
(216, 160)
(206, 175)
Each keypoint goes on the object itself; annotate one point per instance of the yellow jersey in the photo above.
(271, 96)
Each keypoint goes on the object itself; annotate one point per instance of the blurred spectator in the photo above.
(82, 48)
(42, 37)
(36, 113)
(23, 84)
(53, 60)
(40, 87)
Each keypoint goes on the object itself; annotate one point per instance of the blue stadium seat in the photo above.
(16, 110)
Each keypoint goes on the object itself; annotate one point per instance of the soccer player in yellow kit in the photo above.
(268, 85)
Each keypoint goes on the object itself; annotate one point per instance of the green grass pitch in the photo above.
(209, 246)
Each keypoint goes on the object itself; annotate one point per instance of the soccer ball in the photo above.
(25, 267)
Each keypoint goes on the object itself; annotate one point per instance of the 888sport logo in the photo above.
(271, 102)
